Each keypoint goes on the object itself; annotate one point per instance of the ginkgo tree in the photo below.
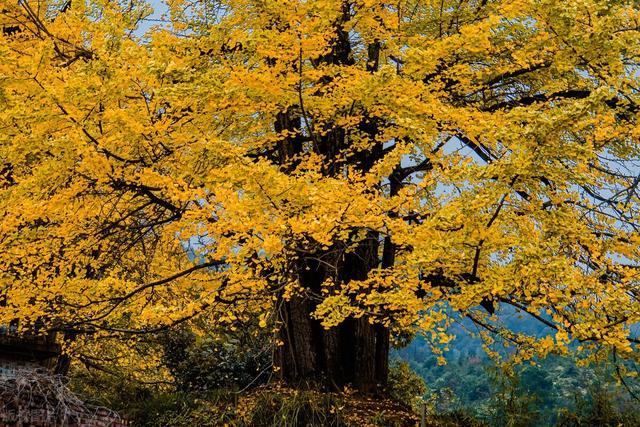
(342, 172)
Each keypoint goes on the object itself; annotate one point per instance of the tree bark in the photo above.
(354, 353)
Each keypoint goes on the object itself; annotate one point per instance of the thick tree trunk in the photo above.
(354, 353)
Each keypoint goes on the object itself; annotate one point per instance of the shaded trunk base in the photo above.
(353, 354)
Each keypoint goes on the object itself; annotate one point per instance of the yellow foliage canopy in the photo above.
(489, 148)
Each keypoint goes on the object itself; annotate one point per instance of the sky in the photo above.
(156, 18)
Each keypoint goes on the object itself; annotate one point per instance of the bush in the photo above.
(599, 408)
(510, 405)
(232, 362)
(405, 386)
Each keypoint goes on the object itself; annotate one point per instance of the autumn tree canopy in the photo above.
(340, 171)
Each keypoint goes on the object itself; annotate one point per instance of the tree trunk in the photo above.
(354, 353)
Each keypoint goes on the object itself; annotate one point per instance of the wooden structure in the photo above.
(32, 396)
(18, 353)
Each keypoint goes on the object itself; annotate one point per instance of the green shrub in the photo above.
(600, 407)
(405, 386)
(232, 362)
(510, 405)
(149, 406)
